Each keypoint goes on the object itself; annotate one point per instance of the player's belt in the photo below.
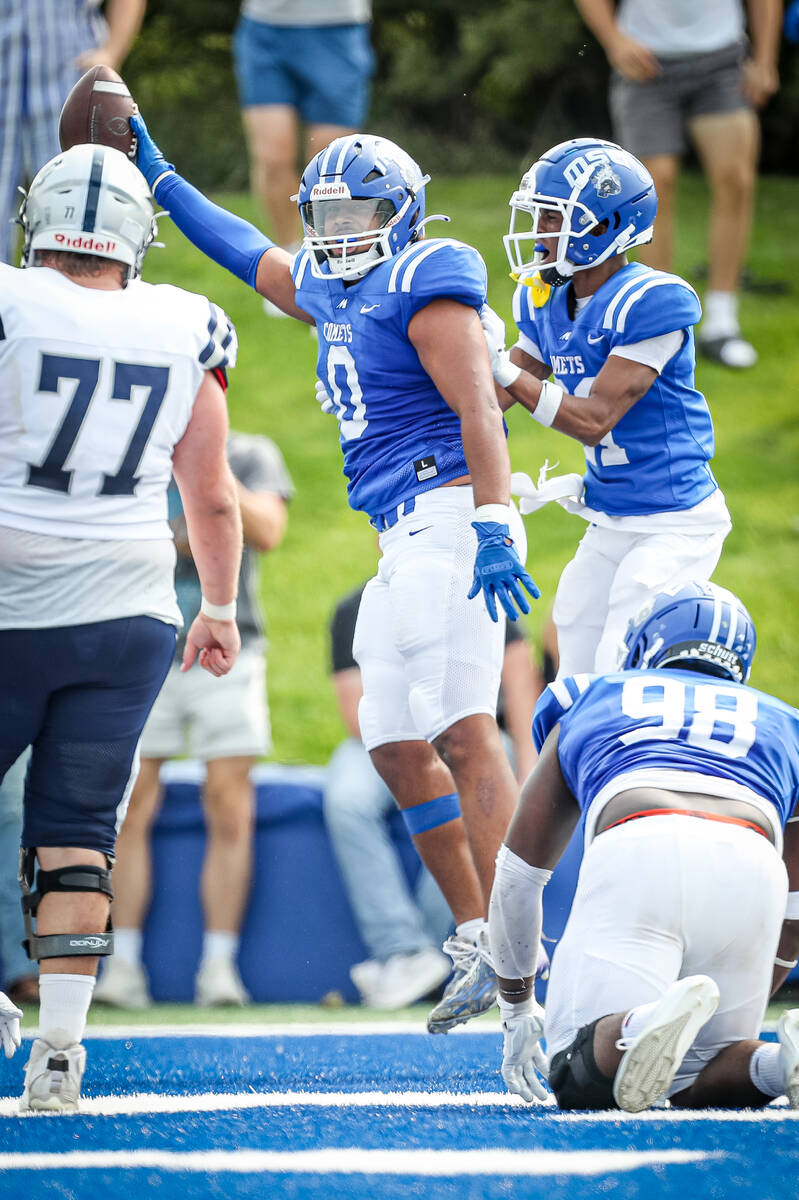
(383, 521)
(636, 803)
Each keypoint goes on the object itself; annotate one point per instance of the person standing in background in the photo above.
(681, 68)
(45, 46)
(298, 61)
(228, 727)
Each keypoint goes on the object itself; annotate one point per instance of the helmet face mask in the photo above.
(89, 200)
(606, 200)
(361, 201)
(693, 626)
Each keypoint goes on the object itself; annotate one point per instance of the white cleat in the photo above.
(788, 1038)
(652, 1059)
(123, 984)
(218, 982)
(53, 1078)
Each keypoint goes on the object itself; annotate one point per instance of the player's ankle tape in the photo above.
(431, 814)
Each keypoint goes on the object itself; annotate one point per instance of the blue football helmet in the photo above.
(606, 199)
(698, 626)
(361, 201)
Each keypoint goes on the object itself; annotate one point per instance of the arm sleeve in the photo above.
(227, 239)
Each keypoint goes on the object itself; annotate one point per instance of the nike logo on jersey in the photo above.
(413, 532)
(593, 338)
(367, 308)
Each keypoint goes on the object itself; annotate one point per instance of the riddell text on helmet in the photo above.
(78, 242)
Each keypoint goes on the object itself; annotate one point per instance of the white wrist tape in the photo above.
(786, 962)
(505, 372)
(792, 907)
(493, 512)
(548, 403)
(218, 612)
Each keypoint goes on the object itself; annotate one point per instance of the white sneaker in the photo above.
(366, 977)
(218, 982)
(788, 1038)
(652, 1059)
(123, 984)
(53, 1078)
(405, 978)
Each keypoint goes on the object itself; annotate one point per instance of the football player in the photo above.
(618, 339)
(108, 385)
(402, 355)
(685, 918)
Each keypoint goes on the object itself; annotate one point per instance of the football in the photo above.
(97, 110)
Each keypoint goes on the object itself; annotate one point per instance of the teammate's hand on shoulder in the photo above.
(149, 159)
(214, 644)
(498, 571)
(9, 1025)
(524, 1064)
(324, 399)
(504, 371)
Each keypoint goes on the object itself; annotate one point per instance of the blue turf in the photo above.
(753, 1159)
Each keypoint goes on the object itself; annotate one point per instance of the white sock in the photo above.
(720, 315)
(127, 946)
(470, 929)
(636, 1021)
(219, 943)
(766, 1070)
(63, 1008)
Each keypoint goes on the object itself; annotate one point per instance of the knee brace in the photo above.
(575, 1078)
(62, 879)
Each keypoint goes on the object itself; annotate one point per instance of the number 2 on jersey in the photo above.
(85, 372)
(721, 718)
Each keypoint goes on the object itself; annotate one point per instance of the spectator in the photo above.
(401, 931)
(21, 979)
(308, 60)
(87, 602)
(45, 46)
(681, 68)
(227, 725)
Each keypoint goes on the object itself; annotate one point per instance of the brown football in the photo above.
(97, 110)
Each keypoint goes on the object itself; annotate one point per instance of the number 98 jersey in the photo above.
(399, 437)
(96, 388)
(674, 729)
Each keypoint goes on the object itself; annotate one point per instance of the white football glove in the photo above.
(324, 399)
(9, 1025)
(504, 371)
(524, 1063)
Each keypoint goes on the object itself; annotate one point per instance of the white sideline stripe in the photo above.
(353, 1161)
(145, 1102)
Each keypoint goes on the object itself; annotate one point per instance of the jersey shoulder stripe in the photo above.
(628, 295)
(522, 306)
(412, 257)
(556, 700)
(300, 266)
(222, 345)
(624, 312)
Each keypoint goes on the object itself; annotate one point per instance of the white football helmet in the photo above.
(90, 199)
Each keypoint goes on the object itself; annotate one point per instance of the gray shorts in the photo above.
(650, 118)
(210, 718)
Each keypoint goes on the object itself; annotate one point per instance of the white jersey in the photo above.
(96, 389)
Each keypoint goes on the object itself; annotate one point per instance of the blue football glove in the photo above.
(498, 571)
(149, 158)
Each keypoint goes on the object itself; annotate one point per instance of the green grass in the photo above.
(329, 549)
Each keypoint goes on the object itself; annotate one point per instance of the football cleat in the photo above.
(788, 1038)
(653, 1058)
(53, 1078)
(472, 990)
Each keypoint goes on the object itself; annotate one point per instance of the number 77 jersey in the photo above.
(96, 389)
(672, 729)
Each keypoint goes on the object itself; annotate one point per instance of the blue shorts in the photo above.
(321, 70)
(80, 695)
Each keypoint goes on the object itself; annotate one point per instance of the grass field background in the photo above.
(329, 549)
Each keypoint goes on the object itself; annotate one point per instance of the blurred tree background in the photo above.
(465, 86)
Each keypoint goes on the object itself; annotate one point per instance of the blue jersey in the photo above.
(673, 720)
(656, 459)
(398, 435)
